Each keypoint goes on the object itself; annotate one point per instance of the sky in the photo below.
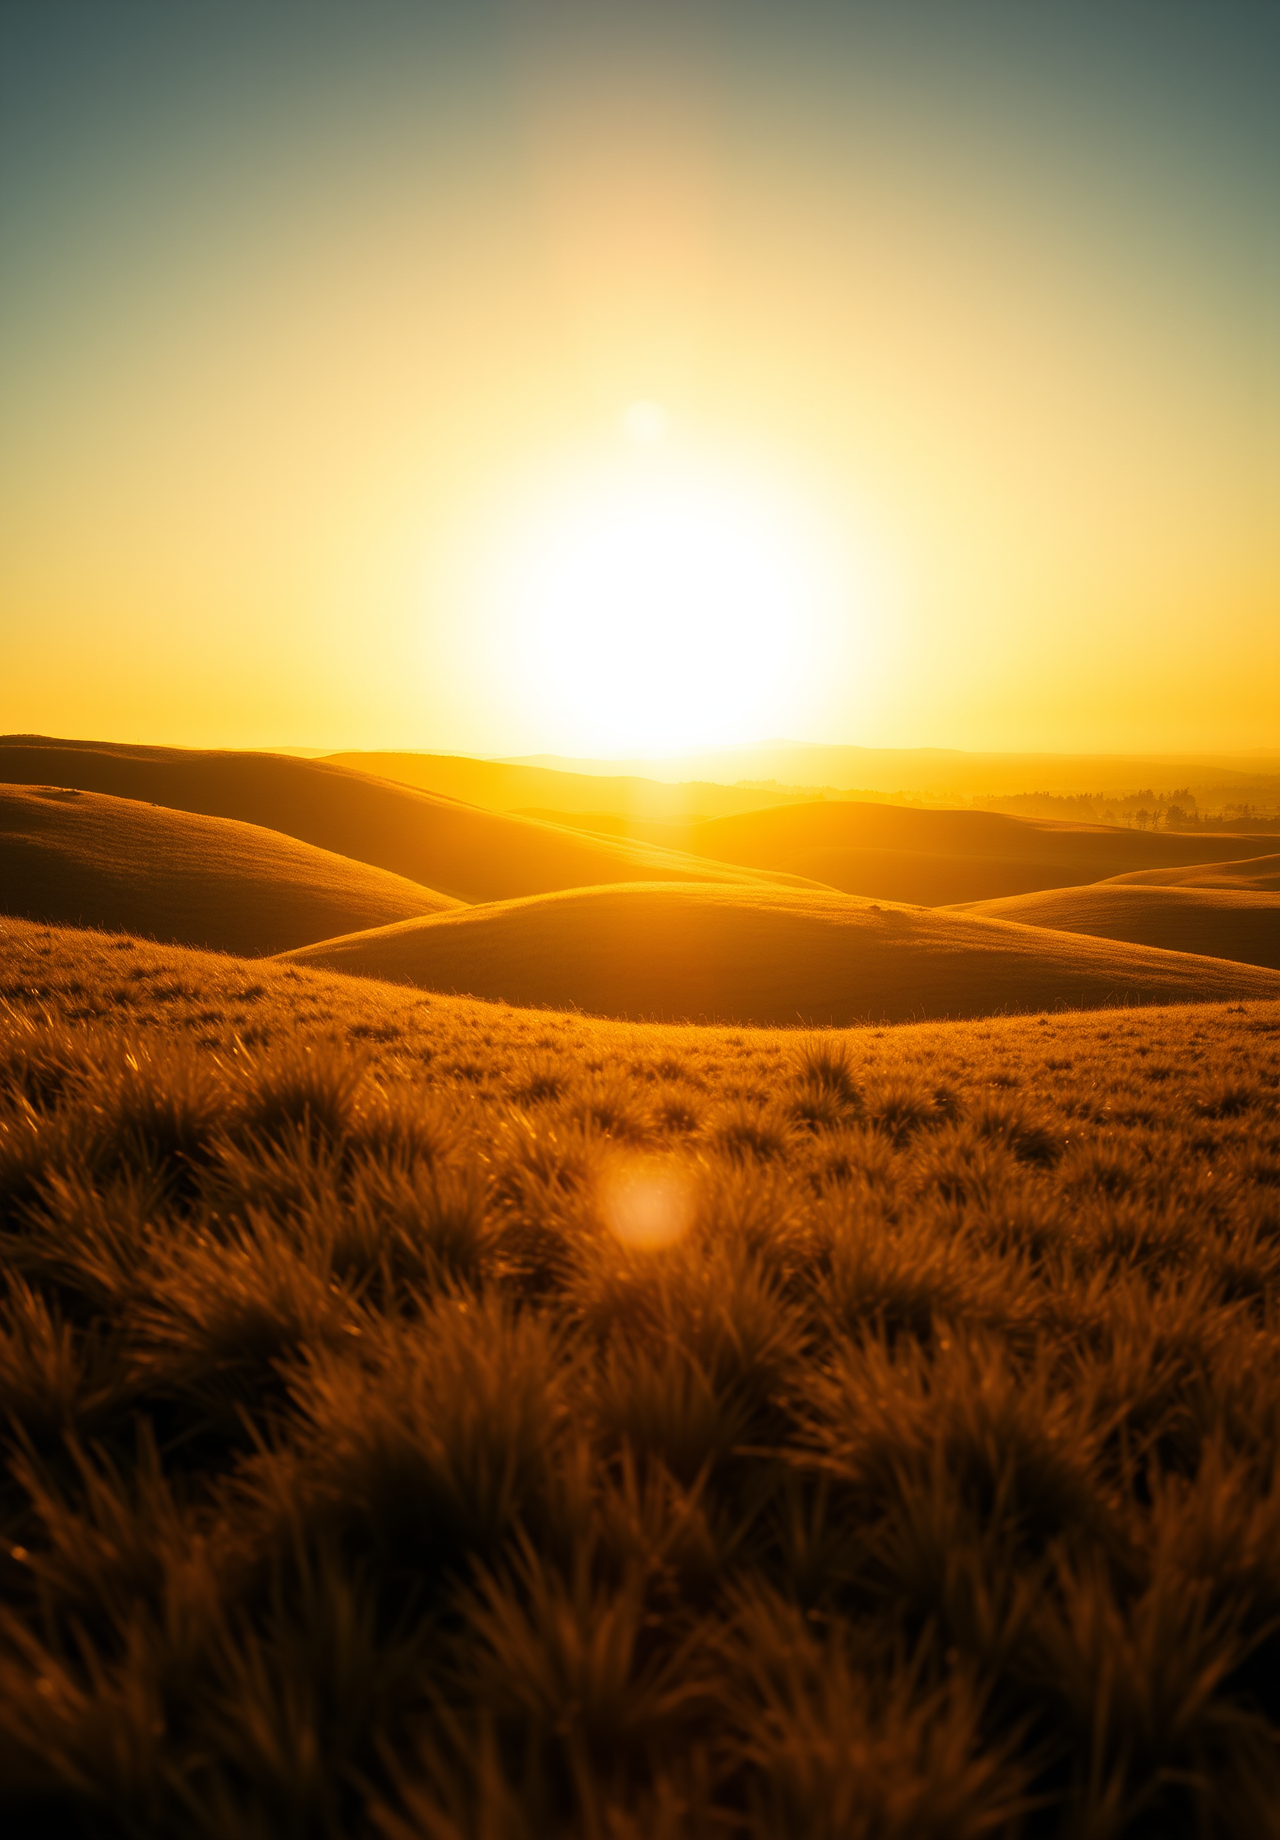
(546, 376)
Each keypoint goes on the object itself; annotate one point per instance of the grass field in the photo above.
(432, 1419)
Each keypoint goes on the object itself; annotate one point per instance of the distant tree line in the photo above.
(1145, 809)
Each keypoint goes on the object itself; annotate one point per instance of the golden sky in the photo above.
(322, 332)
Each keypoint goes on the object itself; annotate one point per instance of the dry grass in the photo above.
(361, 1480)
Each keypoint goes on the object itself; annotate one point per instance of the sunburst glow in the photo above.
(660, 599)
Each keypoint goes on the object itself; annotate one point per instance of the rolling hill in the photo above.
(467, 853)
(948, 772)
(767, 956)
(501, 785)
(936, 858)
(89, 859)
(1257, 874)
(1222, 922)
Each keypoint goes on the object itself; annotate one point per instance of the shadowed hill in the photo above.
(1256, 874)
(936, 858)
(768, 956)
(87, 858)
(464, 852)
(1222, 922)
(543, 792)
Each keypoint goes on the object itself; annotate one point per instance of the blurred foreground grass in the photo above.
(429, 1419)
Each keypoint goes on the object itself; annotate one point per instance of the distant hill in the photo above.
(768, 956)
(464, 852)
(1234, 923)
(899, 853)
(507, 786)
(1261, 874)
(947, 772)
(88, 859)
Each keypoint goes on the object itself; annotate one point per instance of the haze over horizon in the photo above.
(626, 381)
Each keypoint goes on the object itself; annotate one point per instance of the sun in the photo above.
(663, 612)
(658, 598)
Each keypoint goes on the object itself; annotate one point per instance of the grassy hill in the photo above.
(936, 858)
(769, 956)
(1225, 922)
(1257, 874)
(467, 853)
(87, 858)
(430, 1418)
(501, 785)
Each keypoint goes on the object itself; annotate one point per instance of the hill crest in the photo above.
(937, 857)
(89, 858)
(441, 842)
(769, 957)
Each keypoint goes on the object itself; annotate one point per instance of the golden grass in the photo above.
(87, 859)
(768, 956)
(1223, 922)
(369, 1474)
(464, 852)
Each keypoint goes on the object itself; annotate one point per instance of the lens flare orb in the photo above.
(646, 1202)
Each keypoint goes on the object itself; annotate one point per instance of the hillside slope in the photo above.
(1256, 874)
(86, 858)
(937, 858)
(1222, 922)
(767, 956)
(470, 854)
